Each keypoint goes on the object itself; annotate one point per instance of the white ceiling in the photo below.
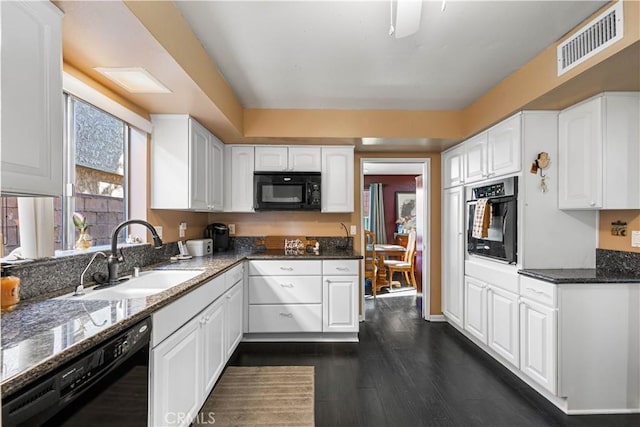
(338, 54)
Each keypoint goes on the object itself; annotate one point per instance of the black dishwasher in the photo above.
(107, 385)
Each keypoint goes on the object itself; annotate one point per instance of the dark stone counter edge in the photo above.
(578, 277)
(49, 364)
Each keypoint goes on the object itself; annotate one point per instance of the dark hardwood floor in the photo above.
(408, 372)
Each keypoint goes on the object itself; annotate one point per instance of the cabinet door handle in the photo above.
(228, 296)
(286, 285)
(592, 203)
(286, 314)
(342, 268)
(286, 268)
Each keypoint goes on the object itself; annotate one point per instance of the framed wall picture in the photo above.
(405, 210)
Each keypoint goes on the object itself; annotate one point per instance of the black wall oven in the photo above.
(292, 191)
(499, 239)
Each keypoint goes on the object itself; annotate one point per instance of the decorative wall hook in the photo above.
(540, 163)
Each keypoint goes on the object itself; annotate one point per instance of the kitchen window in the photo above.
(95, 172)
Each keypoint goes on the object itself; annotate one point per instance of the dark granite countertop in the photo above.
(579, 275)
(43, 333)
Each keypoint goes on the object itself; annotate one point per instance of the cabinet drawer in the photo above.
(233, 276)
(170, 318)
(538, 290)
(285, 318)
(341, 267)
(285, 289)
(285, 268)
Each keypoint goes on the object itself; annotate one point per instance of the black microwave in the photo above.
(291, 191)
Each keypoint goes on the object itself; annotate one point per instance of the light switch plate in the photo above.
(158, 230)
(232, 229)
(635, 239)
(354, 230)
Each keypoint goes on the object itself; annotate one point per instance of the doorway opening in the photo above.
(405, 194)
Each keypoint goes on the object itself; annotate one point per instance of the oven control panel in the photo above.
(494, 190)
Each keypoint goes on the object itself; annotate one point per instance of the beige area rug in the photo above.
(261, 396)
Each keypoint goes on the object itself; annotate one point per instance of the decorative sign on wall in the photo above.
(619, 228)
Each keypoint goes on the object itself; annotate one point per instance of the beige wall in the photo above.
(618, 243)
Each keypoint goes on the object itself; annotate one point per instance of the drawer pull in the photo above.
(342, 268)
(286, 314)
(538, 292)
(286, 268)
(286, 285)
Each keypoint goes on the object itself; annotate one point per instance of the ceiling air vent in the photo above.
(596, 36)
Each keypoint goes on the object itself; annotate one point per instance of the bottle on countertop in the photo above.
(10, 290)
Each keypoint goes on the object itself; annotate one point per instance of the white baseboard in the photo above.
(301, 337)
(437, 318)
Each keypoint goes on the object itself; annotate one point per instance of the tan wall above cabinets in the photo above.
(287, 223)
(170, 220)
(618, 243)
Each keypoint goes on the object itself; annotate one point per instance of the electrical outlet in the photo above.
(158, 230)
(182, 229)
(232, 229)
(635, 239)
(354, 230)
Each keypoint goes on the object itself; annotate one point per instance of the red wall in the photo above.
(391, 184)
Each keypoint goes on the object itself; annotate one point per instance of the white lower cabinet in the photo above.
(538, 343)
(303, 296)
(234, 306)
(502, 324)
(189, 352)
(340, 304)
(214, 327)
(176, 377)
(475, 308)
(491, 315)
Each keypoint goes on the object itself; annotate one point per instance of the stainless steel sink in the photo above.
(148, 283)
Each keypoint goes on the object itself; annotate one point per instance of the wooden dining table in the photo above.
(386, 251)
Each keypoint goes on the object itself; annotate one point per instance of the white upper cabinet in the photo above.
(32, 101)
(270, 158)
(239, 168)
(186, 165)
(599, 153)
(475, 158)
(337, 179)
(494, 153)
(453, 167)
(504, 147)
(215, 174)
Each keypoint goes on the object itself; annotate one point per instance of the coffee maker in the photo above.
(220, 235)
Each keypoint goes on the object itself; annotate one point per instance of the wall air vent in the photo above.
(596, 36)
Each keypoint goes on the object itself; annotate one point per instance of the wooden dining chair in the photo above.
(371, 260)
(406, 265)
